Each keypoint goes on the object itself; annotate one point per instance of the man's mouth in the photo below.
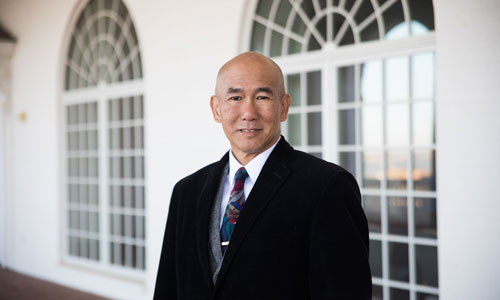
(249, 130)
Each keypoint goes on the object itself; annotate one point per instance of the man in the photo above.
(266, 221)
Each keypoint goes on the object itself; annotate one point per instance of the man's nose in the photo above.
(249, 110)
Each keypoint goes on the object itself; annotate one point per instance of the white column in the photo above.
(468, 148)
(6, 213)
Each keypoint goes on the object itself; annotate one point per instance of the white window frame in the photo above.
(102, 93)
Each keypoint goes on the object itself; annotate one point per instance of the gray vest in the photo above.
(216, 256)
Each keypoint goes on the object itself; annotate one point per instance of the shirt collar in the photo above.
(253, 167)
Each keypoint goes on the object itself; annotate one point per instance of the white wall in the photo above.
(183, 44)
(468, 155)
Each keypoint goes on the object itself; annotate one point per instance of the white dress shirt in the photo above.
(253, 169)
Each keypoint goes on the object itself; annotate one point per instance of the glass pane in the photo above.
(298, 25)
(424, 296)
(138, 108)
(364, 11)
(313, 43)
(394, 21)
(422, 76)
(398, 125)
(424, 170)
(372, 169)
(283, 12)
(425, 217)
(376, 258)
(314, 88)
(276, 43)
(397, 170)
(348, 37)
(398, 262)
(93, 194)
(338, 20)
(92, 112)
(321, 27)
(308, 8)
(92, 140)
(397, 208)
(346, 127)
(94, 222)
(263, 8)
(139, 197)
(294, 133)
(138, 137)
(73, 141)
(371, 81)
(258, 33)
(317, 154)
(74, 219)
(84, 194)
(314, 128)
(371, 125)
(346, 84)
(82, 113)
(293, 86)
(427, 265)
(396, 78)
(399, 294)
(422, 16)
(377, 292)
(372, 210)
(348, 161)
(423, 123)
(294, 46)
(370, 32)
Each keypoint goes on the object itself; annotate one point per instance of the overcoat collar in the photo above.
(272, 176)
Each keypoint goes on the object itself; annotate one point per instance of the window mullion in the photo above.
(103, 181)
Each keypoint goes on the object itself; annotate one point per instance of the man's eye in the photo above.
(235, 98)
(262, 98)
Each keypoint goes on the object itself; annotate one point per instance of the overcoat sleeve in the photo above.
(166, 280)
(338, 249)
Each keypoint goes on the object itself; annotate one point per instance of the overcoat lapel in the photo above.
(272, 176)
(202, 218)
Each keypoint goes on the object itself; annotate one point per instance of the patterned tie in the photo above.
(233, 208)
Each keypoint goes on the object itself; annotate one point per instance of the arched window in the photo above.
(104, 140)
(361, 77)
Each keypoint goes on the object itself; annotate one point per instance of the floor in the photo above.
(15, 286)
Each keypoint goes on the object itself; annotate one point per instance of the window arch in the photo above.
(104, 47)
(289, 27)
(361, 77)
(104, 140)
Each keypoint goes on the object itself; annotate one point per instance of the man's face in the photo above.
(250, 103)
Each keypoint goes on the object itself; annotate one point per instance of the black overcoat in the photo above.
(301, 235)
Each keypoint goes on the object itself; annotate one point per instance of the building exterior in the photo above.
(104, 106)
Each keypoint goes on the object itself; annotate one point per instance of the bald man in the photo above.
(265, 221)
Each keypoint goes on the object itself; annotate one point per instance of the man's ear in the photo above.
(285, 105)
(214, 105)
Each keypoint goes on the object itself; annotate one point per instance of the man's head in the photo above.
(250, 102)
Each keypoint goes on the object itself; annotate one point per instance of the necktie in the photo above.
(233, 208)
